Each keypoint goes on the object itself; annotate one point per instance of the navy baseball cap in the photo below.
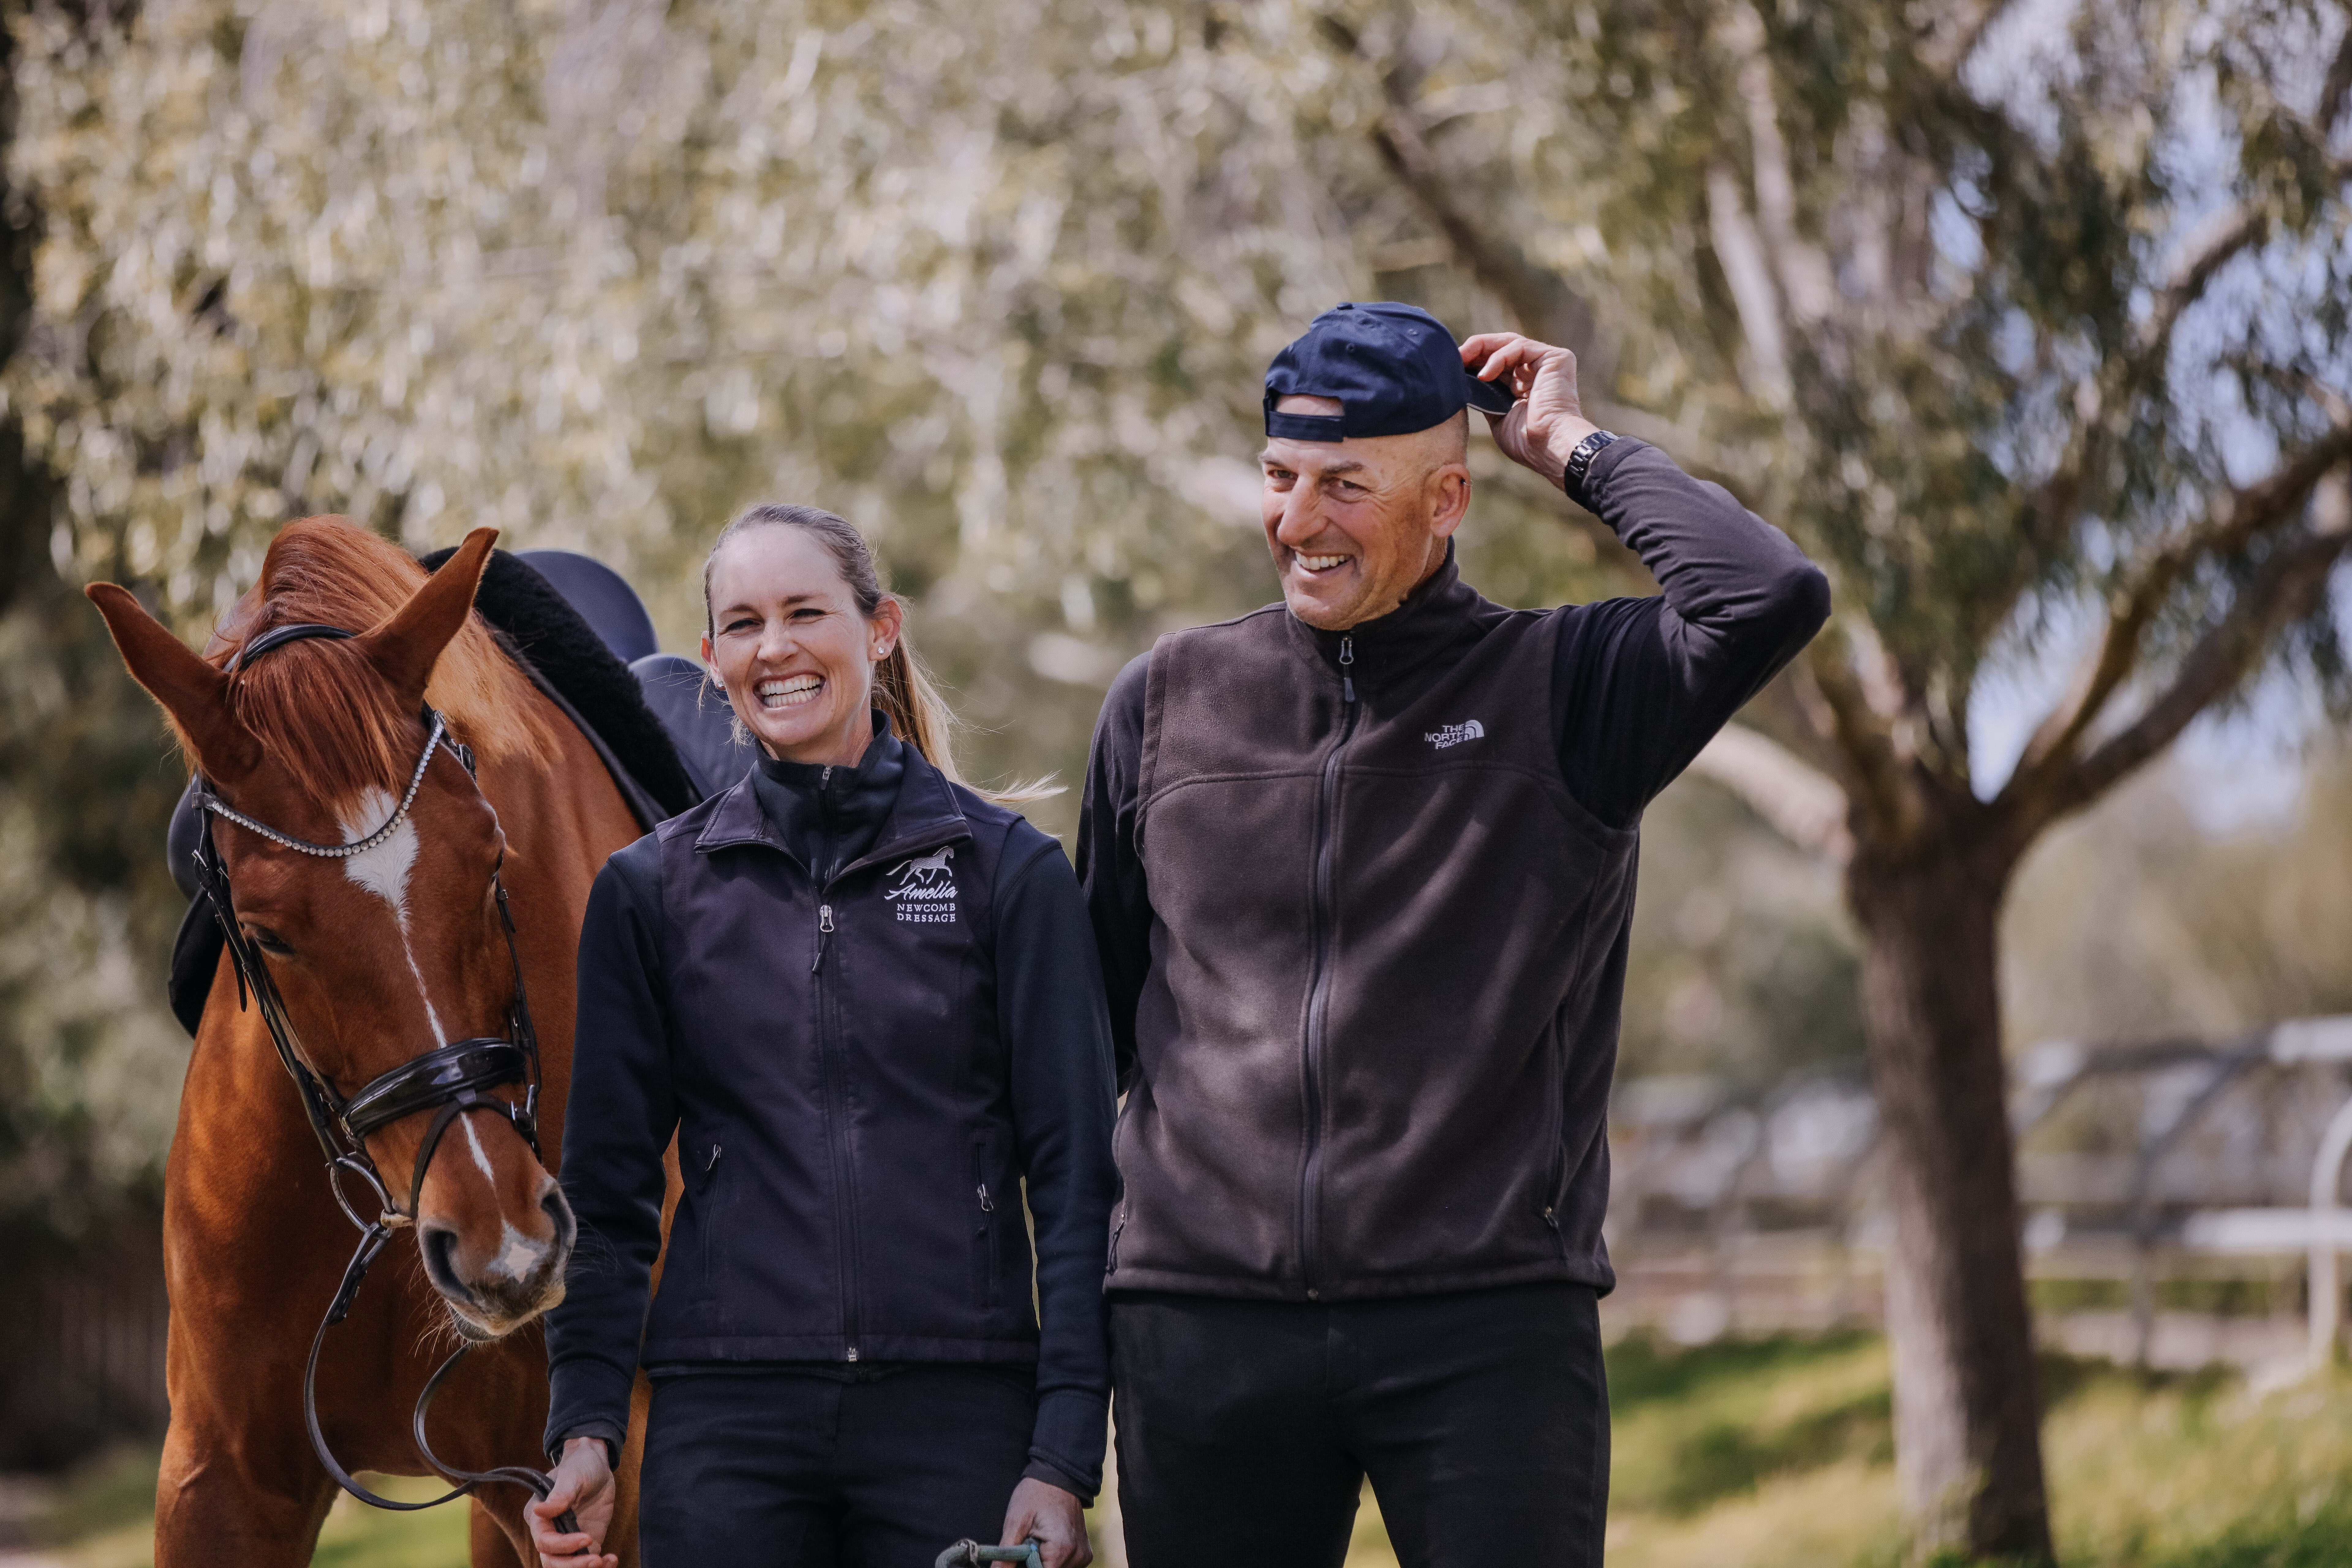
(1394, 370)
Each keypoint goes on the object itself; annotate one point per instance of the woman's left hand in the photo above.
(1055, 1518)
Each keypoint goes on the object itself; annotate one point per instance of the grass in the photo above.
(1778, 1452)
(1767, 1453)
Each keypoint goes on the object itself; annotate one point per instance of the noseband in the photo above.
(451, 1080)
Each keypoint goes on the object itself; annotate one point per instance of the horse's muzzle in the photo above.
(495, 1285)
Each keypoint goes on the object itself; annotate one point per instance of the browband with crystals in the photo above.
(205, 800)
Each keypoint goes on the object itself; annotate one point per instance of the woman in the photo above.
(865, 999)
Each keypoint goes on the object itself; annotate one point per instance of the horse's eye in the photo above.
(269, 942)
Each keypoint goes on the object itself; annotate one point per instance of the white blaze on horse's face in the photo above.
(383, 871)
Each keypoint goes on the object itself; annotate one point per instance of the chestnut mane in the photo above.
(322, 711)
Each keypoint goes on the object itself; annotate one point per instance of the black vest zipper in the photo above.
(836, 1110)
(1321, 915)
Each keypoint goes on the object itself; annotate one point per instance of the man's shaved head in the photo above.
(1447, 441)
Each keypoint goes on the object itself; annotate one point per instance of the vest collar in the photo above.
(1432, 617)
(925, 817)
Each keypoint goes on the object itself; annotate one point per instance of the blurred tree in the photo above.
(89, 1060)
(2024, 317)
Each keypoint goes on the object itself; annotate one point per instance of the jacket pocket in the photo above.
(1555, 1164)
(701, 1177)
(986, 1283)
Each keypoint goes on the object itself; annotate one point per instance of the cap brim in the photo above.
(1487, 396)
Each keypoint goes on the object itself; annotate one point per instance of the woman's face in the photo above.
(789, 648)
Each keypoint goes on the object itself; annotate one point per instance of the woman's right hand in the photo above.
(584, 1483)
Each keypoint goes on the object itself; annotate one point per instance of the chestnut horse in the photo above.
(380, 957)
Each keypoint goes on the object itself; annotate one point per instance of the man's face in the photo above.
(1355, 525)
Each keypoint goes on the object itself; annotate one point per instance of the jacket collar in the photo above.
(1434, 616)
(925, 817)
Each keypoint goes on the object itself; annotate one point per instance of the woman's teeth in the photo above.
(1320, 562)
(788, 694)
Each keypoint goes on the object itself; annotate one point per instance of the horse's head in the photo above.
(385, 954)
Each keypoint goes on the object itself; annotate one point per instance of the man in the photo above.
(1361, 867)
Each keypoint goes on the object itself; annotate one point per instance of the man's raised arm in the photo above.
(1641, 685)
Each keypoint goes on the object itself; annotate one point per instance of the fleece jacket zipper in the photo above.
(1322, 916)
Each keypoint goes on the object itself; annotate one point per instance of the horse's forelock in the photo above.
(318, 708)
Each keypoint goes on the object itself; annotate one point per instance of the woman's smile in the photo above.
(793, 691)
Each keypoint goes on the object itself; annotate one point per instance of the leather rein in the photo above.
(452, 1081)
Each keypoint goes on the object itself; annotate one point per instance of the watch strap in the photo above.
(1580, 467)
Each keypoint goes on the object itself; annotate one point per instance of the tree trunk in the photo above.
(1967, 1441)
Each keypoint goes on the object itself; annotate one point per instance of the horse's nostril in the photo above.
(440, 1249)
(559, 1215)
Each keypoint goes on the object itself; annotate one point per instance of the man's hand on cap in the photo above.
(1547, 421)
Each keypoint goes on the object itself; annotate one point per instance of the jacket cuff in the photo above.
(604, 1432)
(588, 1398)
(1066, 1446)
(1590, 494)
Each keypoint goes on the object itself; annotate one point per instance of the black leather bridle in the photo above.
(451, 1080)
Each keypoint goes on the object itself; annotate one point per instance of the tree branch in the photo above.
(1802, 270)
(2209, 246)
(1880, 779)
(1952, 38)
(2231, 525)
(1741, 253)
(1545, 306)
(1804, 804)
(2337, 91)
(2289, 586)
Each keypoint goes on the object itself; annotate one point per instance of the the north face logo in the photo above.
(924, 890)
(1454, 734)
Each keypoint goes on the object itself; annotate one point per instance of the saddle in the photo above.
(581, 633)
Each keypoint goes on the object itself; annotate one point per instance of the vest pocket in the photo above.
(984, 1237)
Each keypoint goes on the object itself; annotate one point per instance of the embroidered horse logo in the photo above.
(925, 877)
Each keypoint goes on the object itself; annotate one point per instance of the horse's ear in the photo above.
(406, 645)
(192, 691)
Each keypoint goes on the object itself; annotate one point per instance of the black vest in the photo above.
(845, 1116)
(1375, 1043)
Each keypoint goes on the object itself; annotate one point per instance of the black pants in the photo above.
(1481, 1419)
(797, 1469)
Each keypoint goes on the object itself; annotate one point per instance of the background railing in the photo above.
(2210, 1169)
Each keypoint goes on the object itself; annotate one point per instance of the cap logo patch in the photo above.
(1454, 734)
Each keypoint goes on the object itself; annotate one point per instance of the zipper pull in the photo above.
(713, 1163)
(823, 928)
(1347, 659)
(853, 1352)
(987, 1204)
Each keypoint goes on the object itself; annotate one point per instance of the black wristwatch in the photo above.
(1580, 463)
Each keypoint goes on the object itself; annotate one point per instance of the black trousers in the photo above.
(1481, 1418)
(884, 1468)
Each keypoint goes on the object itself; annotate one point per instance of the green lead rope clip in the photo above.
(971, 1554)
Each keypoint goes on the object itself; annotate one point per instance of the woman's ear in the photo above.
(710, 666)
(888, 620)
